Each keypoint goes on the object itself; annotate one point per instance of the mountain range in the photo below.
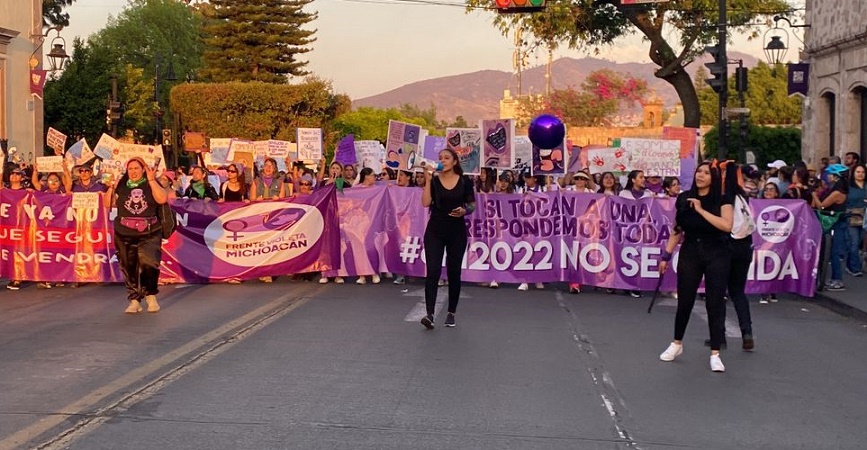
(476, 95)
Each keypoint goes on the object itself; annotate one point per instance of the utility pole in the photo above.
(115, 105)
(519, 57)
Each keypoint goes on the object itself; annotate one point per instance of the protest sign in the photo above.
(523, 153)
(345, 153)
(79, 153)
(56, 140)
(86, 200)
(656, 157)
(47, 164)
(195, 142)
(498, 146)
(606, 159)
(370, 154)
(106, 146)
(309, 142)
(402, 141)
(467, 143)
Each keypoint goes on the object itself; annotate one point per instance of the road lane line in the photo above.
(259, 317)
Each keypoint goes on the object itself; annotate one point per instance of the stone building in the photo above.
(21, 121)
(835, 111)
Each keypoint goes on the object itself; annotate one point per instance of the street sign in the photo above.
(736, 111)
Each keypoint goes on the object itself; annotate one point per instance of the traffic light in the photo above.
(718, 69)
(741, 79)
(167, 137)
(519, 6)
(113, 113)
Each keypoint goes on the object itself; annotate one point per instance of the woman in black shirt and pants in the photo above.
(450, 197)
(703, 221)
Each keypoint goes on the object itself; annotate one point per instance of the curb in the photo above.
(840, 307)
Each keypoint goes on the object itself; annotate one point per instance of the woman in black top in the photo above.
(235, 187)
(834, 199)
(742, 257)
(450, 197)
(200, 187)
(703, 221)
(138, 234)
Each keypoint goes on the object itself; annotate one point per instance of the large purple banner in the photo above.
(597, 240)
(44, 237)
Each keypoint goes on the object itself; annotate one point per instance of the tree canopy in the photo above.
(53, 14)
(676, 31)
(256, 40)
(766, 97)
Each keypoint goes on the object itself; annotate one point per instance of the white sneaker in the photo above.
(523, 287)
(540, 285)
(494, 285)
(673, 351)
(323, 280)
(361, 280)
(441, 283)
(716, 364)
(338, 280)
(375, 279)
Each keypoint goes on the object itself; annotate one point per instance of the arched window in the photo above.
(829, 101)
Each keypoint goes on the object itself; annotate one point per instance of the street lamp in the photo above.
(775, 49)
(57, 56)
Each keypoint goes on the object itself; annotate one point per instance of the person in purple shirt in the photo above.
(85, 182)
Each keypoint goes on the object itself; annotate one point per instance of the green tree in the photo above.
(256, 40)
(75, 103)
(766, 143)
(370, 123)
(52, 12)
(766, 97)
(602, 94)
(676, 31)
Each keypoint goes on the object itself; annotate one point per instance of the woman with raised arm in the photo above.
(138, 234)
(703, 222)
(450, 197)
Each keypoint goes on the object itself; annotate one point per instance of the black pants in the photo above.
(711, 260)
(139, 259)
(742, 257)
(449, 237)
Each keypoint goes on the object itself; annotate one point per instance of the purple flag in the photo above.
(799, 78)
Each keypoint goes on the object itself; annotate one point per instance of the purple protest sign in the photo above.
(433, 145)
(218, 241)
(345, 153)
(497, 146)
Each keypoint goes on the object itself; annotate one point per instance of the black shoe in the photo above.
(722, 346)
(450, 320)
(428, 322)
(635, 294)
(14, 285)
(749, 343)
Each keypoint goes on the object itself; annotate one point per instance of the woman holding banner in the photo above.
(138, 234)
(450, 197)
(703, 222)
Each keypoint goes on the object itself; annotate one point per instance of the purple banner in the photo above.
(218, 241)
(362, 231)
(799, 78)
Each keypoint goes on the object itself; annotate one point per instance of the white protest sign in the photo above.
(656, 157)
(86, 200)
(48, 164)
(309, 144)
(105, 147)
(607, 159)
(523, 153)
(56, 140)
(370, 154)
(79, 153)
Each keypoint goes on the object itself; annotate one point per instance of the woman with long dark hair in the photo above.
(741, 258)
(138, 234)
(487, 180)
(703, 222)
(450, 197)
(834, 199)
(234, 189)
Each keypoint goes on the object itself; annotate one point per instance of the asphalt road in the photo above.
(299, 365)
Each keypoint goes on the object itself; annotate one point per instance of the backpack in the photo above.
(743, 224)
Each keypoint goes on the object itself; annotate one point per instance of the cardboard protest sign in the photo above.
(56, 140)
(498, 146)
(309, 141)
(467, 143)
(195, 142)
(219, 152)
(47, 164)
(656, 157)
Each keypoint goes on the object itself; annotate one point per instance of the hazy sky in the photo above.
(369, 48)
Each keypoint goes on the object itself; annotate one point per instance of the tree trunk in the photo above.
(682, 84)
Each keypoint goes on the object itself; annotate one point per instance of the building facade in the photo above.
(21, 120)
(835, 111)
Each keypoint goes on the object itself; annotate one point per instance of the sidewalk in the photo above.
(851, 303)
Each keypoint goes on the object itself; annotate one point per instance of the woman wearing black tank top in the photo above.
(234, 189)
(450, 197)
